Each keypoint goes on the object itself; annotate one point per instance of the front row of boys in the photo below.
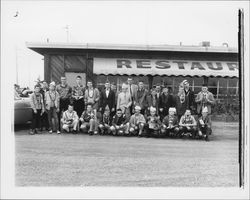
(137, 124)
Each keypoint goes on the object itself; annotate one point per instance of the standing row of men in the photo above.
(55, 100)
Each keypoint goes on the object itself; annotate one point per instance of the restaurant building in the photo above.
(154, 64)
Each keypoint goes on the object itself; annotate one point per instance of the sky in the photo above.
(125, 22)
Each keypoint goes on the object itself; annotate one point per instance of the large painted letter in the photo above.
(121, 63)
(162, 64)
(180, 64)
(211, 66)
(143, 64)
(232, 66)
(197, 65)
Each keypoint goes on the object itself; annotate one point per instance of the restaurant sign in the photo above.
(164, 67)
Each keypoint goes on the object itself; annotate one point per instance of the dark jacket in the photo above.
(165, 102)
(181, 107)
(174, 122)
(106, 119)
(141, 98)
(107, 100)
(119, 120)
(190, 98)
(151, 102)
(206, 121)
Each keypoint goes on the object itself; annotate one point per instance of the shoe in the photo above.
(31, 132)
(58, 132)
(96, 132)
(91, 132)
(50, 131)
(74, 132)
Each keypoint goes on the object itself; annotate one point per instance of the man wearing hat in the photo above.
(204, 125)
(107, 99)
(137, 122)
(204, 99)
(52, 105)
(190, 97)
(170, 123)
(124, 101)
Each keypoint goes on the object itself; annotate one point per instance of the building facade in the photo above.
(165, 65)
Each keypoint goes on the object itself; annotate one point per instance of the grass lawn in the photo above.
(82, 160)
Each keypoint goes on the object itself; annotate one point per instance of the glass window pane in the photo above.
(231, 91)
(233, 82)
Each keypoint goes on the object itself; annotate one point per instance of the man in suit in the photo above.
(152, 101)
(190, 98)
(107, 99)
(166, 101)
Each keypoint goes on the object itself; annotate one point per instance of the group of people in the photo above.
(134, 111)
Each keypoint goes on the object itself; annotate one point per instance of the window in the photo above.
(75, 63)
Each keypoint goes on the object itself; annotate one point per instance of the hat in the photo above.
(184, 82)
(124, 86)
(152, 109)
(53, 83)
(205, 109)
(172, 109)
(137, 108)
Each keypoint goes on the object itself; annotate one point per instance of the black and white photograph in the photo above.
(124, 99)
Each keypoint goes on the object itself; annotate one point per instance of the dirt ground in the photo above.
(82, 160)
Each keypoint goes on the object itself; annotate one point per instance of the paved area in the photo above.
(82, 160)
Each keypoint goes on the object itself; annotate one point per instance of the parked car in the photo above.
(23, 111)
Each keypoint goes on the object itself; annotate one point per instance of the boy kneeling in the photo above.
(188, 125)
(89, 121)
(137, 122)
(70, 120)
(204, 125)
(153, 123)
(119, 124)
(170, 123)
(105, 122)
